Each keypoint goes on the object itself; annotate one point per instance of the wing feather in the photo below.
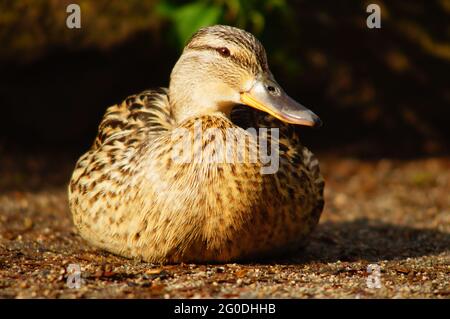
(140, 115)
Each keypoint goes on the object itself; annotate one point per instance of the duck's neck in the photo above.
(193, 92)
(185, 109)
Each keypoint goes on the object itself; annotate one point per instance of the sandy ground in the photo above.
(390, 214)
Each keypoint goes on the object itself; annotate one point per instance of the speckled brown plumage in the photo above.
(128, 195)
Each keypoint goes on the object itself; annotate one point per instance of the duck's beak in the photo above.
(268, 96)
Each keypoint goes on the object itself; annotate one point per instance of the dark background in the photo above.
(383, 94)
(380, 92)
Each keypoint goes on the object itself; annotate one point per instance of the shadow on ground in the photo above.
(366, 240)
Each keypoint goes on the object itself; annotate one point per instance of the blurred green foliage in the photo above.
(188, 17)
(255, 16)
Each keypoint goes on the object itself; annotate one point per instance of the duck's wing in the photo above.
(138, 116)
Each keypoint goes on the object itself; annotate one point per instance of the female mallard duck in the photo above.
(131, 196)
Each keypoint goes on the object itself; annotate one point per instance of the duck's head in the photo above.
(222, 66)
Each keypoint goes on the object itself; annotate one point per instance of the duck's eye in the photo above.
(224, 52)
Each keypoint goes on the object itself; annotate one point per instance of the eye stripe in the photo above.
(241, 38)
(239, 60)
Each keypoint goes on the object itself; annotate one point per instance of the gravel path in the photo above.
(390, 214)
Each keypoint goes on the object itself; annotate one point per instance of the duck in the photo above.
(184, 174)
